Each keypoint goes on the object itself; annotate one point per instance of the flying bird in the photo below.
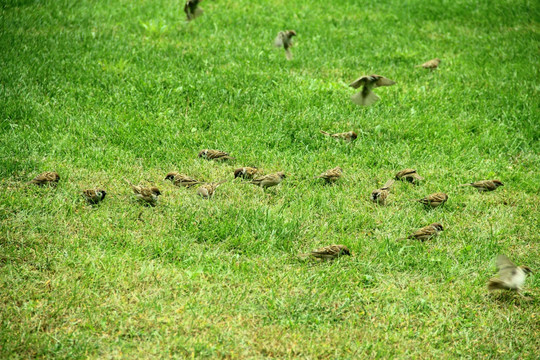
(269, 180)
(206, 191)
(47, 178)
(434, 200)
(485, 185)
(246, 172)
(331, 175)
(409, 175)
(347, 136)
(192, 9)
(181, 179)
(367, 83)
(284, 39)
(431, 64)
(427, 232)
(379, 196)
(510, 276)
(329, 252)
(214, 155)
(148, 195)
(94, 196)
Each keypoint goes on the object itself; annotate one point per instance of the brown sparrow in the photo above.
(207, 190)
(485, 185)
(379, 196)
(347, 136)
(368, 82)
(329, 252)
(245, 172)
(214, 155)
(431, 64)
(510, 276)
(148, 195)
(47, 178)
(181, 179)
(192, 10)
(427, 232)
(269, 180)
(434, 200)
(94, 196)
(331, 175)
(409, 175)
(284, 39)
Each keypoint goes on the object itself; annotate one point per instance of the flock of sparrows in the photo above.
(510, 276)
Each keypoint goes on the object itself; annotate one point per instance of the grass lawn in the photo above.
(102, 91)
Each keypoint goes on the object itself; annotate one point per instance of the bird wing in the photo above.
(384, 82)
(363, 99)
(278, 41)
(503, 262)
(361, 81)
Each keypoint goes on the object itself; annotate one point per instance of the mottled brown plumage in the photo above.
(409, 175)
(207, 190)
(434, 200)
(284, 39)
(347, 136)
(181, 179)
(148, 195)
(368, 82)
(331, 175)
(94, 196)
(427, 232)
(379, 196)
(329, 252)
(431, 64)
(214, 155)
(269, 180)
(509, 277)
(50, 178)
(192, 9)
(485, 185)
(246, 172)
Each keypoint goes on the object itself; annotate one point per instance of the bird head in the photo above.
(498, 183)
(203, 152)
(171, 175)
(281, 174)
(353, 135)
(526, 269)
(155, 190)
(239, 172)
(291, 33)
(101, 193)
(438, 226)
(345, 251)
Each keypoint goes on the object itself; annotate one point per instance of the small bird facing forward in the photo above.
(368, 82)
(269, 180)
(50, 178)
(431, 64)
(214, 155)
(94, 196)
(427, 232)
(434, 200)
(347, 136)
(331, 175)
(485, 185)
(181, 179)
(329, 252)
(148, 195)
(409, 175)
(284, 39)
(246, 172)
(206, 191)
(510, 276)
(192, 9)
(379, 196)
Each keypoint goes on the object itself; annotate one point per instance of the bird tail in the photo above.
(229, 158)
(288, 54)
(465, 185)
(325, 133)
(364, 99)
(495, 284)
(388, 184)
(129, 182)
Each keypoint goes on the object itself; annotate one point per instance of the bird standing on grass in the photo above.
(214, 155)
(485, 185)
(192, 9)
(409, 175)
(148, 195)
(181, 179)
(269, 180)
(510, 276)
(379, 196)
(427, 232)
(284, 39)
(50, 178)
(332, 175)
(206, 191)
(246, 172)
(347, 136)
(431, 64)
(94, 196)
(328, 252)
(434, 200)
(368, 82)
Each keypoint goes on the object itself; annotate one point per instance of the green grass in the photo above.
(103, 91)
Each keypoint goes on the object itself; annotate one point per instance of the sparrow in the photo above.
(347, 136)
(94, 196)
(269, 180)
(207, 190)
(245, 172)
(145, 194)
(409, 175)
(485, 185)
(434, 200)
(331, 175)
(215, 155)
(47, 178)
(427, 232)
(510, 276)
(181, 179)
(284, 39)
(192, 10)
(368, 82)
(329, 252)
(379, 196)
(431, 64)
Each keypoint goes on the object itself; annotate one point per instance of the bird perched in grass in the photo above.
(427, 232)
(329, 252)
(347, 136)
(94, 196)
(409, 175)
(510, 276)
(434, 200)
(379, 196)
(214, 155)
(50, 178)
(192, 9)
(368, 82)
(485, 185)
(246, 172)
(181, 179)
(269, 180)
(148, 195)
(431, 64)
(284, 39)
(331, 175)
(207, 190)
